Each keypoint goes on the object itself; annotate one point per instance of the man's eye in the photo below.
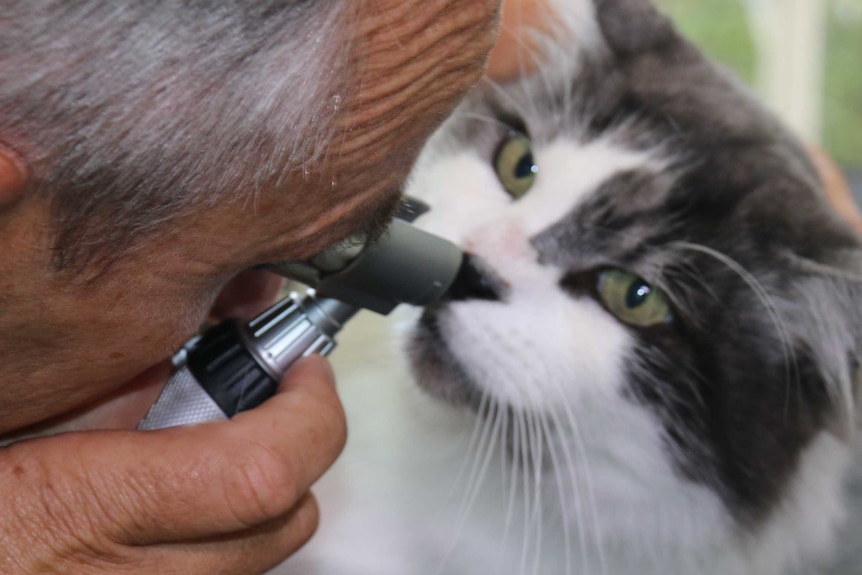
(339, 255)
(515, 166)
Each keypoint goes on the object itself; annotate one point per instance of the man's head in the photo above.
(151, 151)
(130, 114)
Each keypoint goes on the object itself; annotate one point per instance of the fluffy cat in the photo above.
(656, 347)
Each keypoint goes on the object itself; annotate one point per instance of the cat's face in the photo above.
(656, 275)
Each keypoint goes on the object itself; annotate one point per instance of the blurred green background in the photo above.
(727, 30)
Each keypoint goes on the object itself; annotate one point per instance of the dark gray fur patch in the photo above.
(741, 380)
(432, 361)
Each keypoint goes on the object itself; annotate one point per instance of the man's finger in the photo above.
(143, 488)
(249, 552)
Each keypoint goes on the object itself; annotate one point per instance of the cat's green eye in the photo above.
(632, 300)
(514, 165)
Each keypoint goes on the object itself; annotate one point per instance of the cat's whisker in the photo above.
(506, 479)
(521, 445)
(504, 444)
(818, 268)
(571, 455)
(661, 361)
(525, 473)
(765, 299)
(487, 457)
(469, 457)
(559, 479)
(580, 447)
(487, 420)
(538, 468)
(506, 97)
(841, 372)
(484, 456)
(530, 494)
(535, 460)
(513, 486)
(486, 118)
(571, 451)
(679, 292)
(508, 470)
(475, 447)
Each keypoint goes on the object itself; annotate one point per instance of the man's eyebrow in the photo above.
(369, 222)
(381, 216)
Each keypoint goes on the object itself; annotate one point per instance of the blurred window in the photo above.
(842, 98)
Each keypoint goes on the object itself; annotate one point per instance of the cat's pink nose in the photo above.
(475, 281)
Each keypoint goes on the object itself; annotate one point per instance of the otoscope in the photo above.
(233, 366)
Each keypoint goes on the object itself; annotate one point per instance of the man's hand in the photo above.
(221, 497)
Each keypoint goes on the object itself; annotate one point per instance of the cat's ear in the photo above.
(615, 18)
(626, 27)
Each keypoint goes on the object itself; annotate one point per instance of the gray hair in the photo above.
(131, 113)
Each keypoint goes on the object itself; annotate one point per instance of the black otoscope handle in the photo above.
(234, 367)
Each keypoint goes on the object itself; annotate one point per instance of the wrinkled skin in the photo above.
(229, 497)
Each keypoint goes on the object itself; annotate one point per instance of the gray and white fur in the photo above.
(714, 443)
